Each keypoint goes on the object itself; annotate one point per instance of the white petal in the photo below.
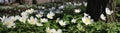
(43, 20)
(103, 17)
(62, 23)
(77, 11)
(39, 24)
(53, 30)
(108, 11)
(73, 20)
(85, 14)
(59, 31)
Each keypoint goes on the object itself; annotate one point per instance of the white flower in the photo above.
(48, 30)
(87, 20)
(15, 17)
(24, 14)
(8, 22)
(23, 19)
(58, 31)
(39, 24)
(108, 11)
(50, 15)
(39, 15)
(77, 10)
(44, 20)
(62, 23)
(61, 7)
(85, 14)
(102, 17)
(73, 20)
(3, 18)
(85, 3)
(32, 20)
(53, 30)
(30, 11)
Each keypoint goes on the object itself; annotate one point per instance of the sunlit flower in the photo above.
(32, 20)
(53, 30)
(12, 17)
(48, 30)
(8, 22)
(58, 31)
(39, 15)
(3, 18)
(50, 15)
(62, 23)
(15, 17)
(73, 20)
(44, 20)
(102, 17)
(39, 24)
(30, 11)
(23, 19)
(77, 10)
(108, 11)
(87, 20)
(24, 14)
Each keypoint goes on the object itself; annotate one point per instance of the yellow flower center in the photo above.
(48, 31)
(8, 23)
(56, 32)
(32, 21)
(49, 16)
(87, 20)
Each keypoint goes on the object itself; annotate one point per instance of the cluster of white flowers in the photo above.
(43, 20)
(48, 30)
(39, 19)
(108, 12)
(9, 21)
(76, 4)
